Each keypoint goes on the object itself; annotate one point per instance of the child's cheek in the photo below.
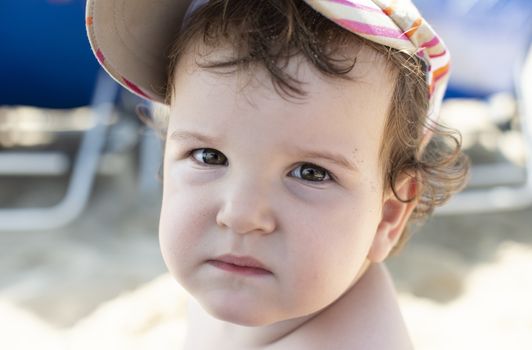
(183, 224)
(185, 173)
(318, 195)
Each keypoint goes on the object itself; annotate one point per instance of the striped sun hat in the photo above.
(130, 38)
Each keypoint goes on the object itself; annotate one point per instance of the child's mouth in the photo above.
(241, 265)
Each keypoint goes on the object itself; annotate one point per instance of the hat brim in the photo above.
(131, 40)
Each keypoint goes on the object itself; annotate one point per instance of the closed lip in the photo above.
(243, 261)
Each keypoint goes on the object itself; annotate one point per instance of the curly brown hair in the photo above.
(269, 33)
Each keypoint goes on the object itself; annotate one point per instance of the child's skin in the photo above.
(321, 242)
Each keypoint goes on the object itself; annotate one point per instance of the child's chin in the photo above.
(239, 315)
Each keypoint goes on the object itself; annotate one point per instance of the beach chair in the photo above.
(47, 63)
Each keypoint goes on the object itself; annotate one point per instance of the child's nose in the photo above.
(246, 208)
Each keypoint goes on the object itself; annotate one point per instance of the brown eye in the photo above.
(209, 156)
(310, 172)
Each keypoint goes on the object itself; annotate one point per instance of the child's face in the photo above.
(252, 187)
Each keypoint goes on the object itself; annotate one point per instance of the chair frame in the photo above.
(83, 171)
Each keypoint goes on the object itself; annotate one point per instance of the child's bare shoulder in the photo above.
(366, 317)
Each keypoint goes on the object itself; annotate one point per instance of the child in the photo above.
(301, 138)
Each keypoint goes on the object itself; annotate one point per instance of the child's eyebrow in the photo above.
(334, 158)
(191, 135)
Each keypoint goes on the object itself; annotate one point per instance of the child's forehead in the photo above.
(371, 68)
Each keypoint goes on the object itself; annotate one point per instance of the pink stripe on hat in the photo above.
(370, 29)
(355, 5)
(135, 88)
(100, 56)
(438, 54)
(431, 43)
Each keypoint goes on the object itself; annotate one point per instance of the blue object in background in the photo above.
(488, 40)
(46, 59)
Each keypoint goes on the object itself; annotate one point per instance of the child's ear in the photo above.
(395, 215)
